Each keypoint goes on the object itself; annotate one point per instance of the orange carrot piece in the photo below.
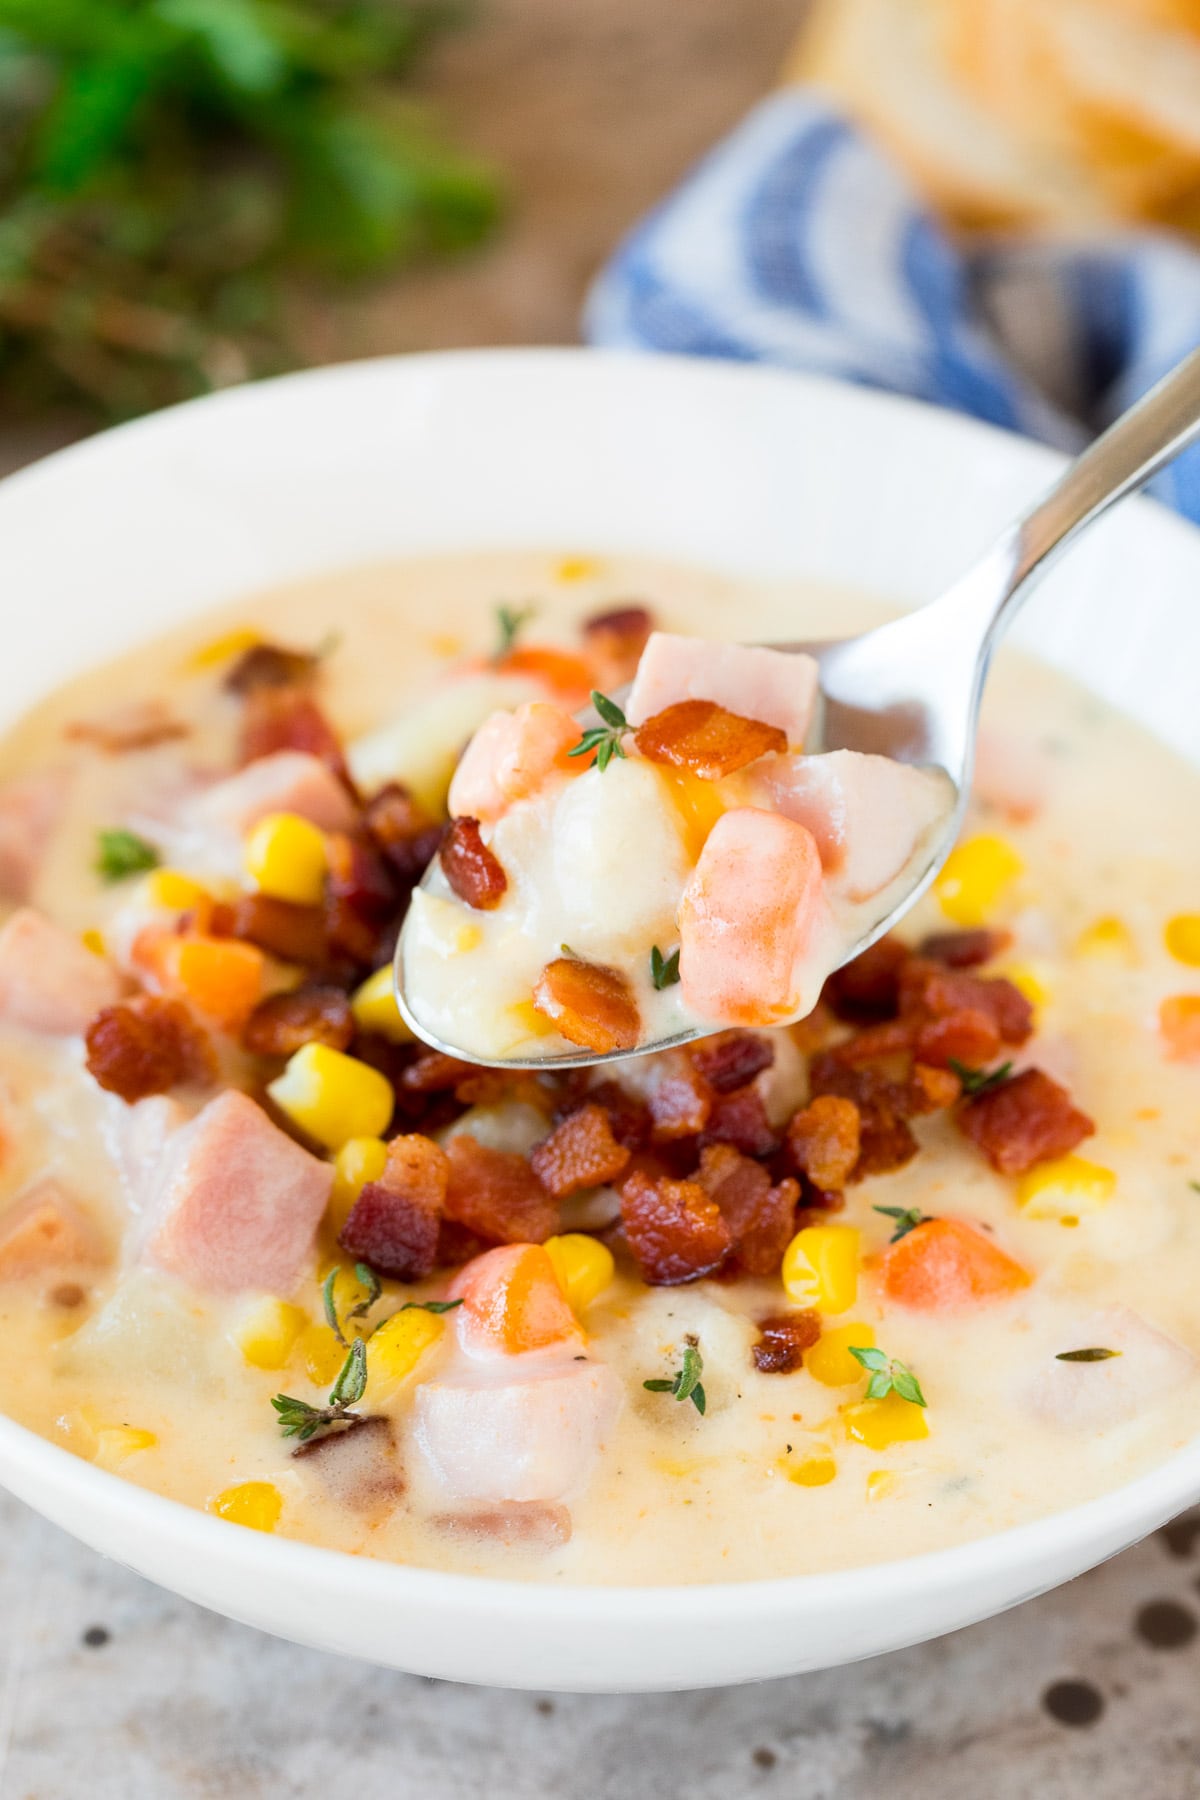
(512, 1301)
(1179, 1023)
(222, 977)
(945, 1264)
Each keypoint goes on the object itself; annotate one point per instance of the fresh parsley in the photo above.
(907, 1219)
(980, 1081)
(1094, 1354)
(510, 623)
(298, 1419)
(604, 739)
(685, 1383)
(664, 970)
(122, 853)
(1195, 1186)
(888, 1376)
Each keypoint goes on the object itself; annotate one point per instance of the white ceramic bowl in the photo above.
(743, 469)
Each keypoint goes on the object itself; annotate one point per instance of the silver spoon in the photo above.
(911, 689)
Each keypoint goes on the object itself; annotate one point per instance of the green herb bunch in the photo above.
(169, 169)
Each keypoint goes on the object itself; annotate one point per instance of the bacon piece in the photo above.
(877, 1043)
(931, 1090)
(628, 1120)
(770, 686)
(359, 1468)
(784, 1339)
(394, 1223)
(360, 899)
(868, 989)
(272, 666)
(496, 1194)
(288, 718)
(825, 1138)
(741, 1120)
(679, 1101)
(147, 1045)
(283, 1023)
(134, 725)
(613, 641)
(963, 949)
(732, 1059)
(1027, 1120)
(474, 874)
(759, 1216)
(580, 1153)
(402, 831)
(967, 1037)
(675, 1231)
(929, 990)
(433, 1072)
(700, 736)
(885, 1140)
(293, 933)
(590, 1004)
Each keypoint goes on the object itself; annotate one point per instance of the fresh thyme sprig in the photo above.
(1093, 1354)
(685, 1383)
(604, 739)
(907, 1219)
(367, 1278)
(123, 853)
(510, 623)
(888, 1376)
(298, 1419)
(664, 970)
(980, 1081)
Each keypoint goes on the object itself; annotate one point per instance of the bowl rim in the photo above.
(1109, 1520)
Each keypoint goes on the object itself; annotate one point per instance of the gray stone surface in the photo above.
(177, 1704)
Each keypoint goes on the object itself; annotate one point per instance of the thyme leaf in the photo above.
(1094, 1354)
(510, 623)
(980, 1081)
(120, 854)
(685, 1384)
(664, 970)
(366, 1277)
(907, 1219)
(888, 1376)
(605, 739)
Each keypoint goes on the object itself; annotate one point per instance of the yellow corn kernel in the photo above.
(256, 1504)
(577, 568)
(333, 1097)
(1064, 1188)
(820, 1267)
(830, 1362)
(395, 1349)
(583, 1264)
(173, 891)
(267, 1331)
(224, 648)
(881, 1483)
(1182, 937)
(93, 940)
(817, 1470)
(116, 1443)
(359, 1160)
(286, 857)
(880, 1423)
(374, 1007)
(1026, 979)
(531, 1021)
(974, 878)
(321, 1354)
(698, 803)
(1109, 937)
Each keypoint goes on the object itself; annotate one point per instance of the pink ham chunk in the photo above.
(288, 781)
(1090, 1396)
(43, 1231)
(49, 981)
(752, 912)
(767, 685)
(510, 757)
(30, 808)
(535, 1437)
(868, 814)
(237, 1202)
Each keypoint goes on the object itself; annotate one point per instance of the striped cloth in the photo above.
(797, 242)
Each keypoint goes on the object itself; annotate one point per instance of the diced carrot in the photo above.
(512, 1302)
(567, 676)
(945, 1264)
(222, 977)
(1179, 1023)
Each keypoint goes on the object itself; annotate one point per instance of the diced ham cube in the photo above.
(237, 1202)
(1012, 774)
(510, 757)
(289, 781)
(30, 808)
(1089, 1396)
(137, 1137)
(868, 814)
(768, 685)
(535, 1438)
(750, 915)
(49, 981)
(45, 1230)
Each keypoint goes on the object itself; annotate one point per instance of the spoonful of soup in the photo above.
(703, 848)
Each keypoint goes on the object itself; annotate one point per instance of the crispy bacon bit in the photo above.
(965, 1037)
(473, 872)
(580, 1153)
(1027, 1120)
(876, 1043)
(702, 737)
(868, 988)
(283, 1023)
(136, 725)
(394, 1224)
(147, 1046)
(679, 1101)
(272, 666)
(295, 934)
(675, 1231)
(628, 1120)
(591, 1005)
(931, 1090)
(433, 1072)
(361, 899)
(885, 1141)
(785, 1338)
(741, 1120)
(500, 1087)
(732, 1059)
(614, 642)
(963, 949)
(288, 718)
(496, 1194)
(759, 1216)
(402, 831)
(930, 990)
(824, 1138)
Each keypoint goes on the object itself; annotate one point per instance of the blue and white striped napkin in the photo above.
(797, 242)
